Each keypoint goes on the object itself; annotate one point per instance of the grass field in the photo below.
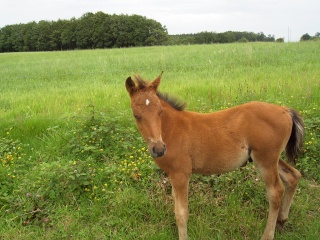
(73, 165)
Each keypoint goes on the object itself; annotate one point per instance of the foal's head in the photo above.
(147, 110)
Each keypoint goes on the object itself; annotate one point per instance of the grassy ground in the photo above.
(73, 165)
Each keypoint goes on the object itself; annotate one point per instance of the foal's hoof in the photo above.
(280, 224)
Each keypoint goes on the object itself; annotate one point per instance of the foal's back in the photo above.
(223, 141)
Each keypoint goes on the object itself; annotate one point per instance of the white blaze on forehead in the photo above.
(147, 102)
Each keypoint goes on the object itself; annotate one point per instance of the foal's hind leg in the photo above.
(270, 175)
(290, 178)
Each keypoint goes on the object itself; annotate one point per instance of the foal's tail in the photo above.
(294, 146)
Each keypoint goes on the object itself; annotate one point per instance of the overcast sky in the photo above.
(275, 17)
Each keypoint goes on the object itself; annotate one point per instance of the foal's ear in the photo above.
(155, 83)
(130, 85)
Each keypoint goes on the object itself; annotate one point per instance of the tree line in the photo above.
(90, 31)
(225, 37)
(100, 30)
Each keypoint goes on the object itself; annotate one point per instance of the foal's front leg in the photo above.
(180, 184)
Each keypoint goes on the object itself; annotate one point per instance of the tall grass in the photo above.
(74, 166)
(56, 83)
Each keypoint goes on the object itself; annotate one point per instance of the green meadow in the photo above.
(74, 166)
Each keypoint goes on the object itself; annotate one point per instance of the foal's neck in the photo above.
(170, 117)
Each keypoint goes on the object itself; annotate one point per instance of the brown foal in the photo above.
(183, 142)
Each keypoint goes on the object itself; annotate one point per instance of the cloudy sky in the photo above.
(282, 18)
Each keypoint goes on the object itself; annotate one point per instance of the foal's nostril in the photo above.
(154, 150)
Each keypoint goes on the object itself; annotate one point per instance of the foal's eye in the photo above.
(137, 117)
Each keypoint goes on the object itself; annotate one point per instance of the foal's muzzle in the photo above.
(157, 149)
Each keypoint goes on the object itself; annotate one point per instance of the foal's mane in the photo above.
(171, 100)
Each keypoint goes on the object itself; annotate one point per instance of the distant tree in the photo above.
(29, 37)
(280, 40)
(42, 34)
(142, 29)
(305, 37)
(261, 37)
(16, 38)
(222, 38)
(155, 33)
(6, 39)
(250, 36)
(230, 36)
(270, 38)
(243, 40)
(68, 34)
(205, 38)
(182, 39)
(99, 34)
(316, 37)
(84, 31)
(56, 35)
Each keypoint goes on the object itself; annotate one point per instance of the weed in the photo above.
(11, 159)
